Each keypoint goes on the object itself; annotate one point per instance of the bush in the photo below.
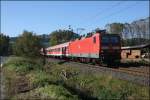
(61, 72)
(22, 65)
(27, 45)
(95, 85)
(141, 62)
(106, 87)
(85, 85)
(52, 92)
(40, 78)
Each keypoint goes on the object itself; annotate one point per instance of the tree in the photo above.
(4, 44)
(62, 36)
(27, 45)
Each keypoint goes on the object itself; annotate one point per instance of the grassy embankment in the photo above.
(134, 63)
(29, 79)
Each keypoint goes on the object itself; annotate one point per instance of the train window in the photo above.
(114, 40)
(105, 40)
(94, 39)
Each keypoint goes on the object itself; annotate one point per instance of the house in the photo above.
(134, 52)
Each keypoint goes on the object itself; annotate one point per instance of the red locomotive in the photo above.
(99, 47)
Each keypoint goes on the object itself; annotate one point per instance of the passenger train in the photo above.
(98, 48)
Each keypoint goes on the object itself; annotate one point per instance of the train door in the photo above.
(64, 51)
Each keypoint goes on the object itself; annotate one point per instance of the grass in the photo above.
(38, 78)
(42, 83)
(64, 82)
(97, 85)
(135, 63)
(51, 92)
(22, 65)
(106, 87)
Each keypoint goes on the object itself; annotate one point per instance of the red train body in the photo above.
(99, 47)
(86, 47)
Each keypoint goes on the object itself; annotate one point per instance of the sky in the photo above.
(43, 17)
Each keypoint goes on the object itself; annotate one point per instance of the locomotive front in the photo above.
(110, 47)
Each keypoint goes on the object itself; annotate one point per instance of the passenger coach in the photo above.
(60, 50)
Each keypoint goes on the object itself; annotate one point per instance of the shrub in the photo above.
(22, 65)
(40, 78)
(106, 87)
(61, 72)
(27, 45)
(52, 92)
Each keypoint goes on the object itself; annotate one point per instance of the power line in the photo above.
(119, 11)
(110, 7)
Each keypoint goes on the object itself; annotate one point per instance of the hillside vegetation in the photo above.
(134, 33)
(62, 36)
(4, 45)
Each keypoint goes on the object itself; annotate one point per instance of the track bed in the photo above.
(138, 75)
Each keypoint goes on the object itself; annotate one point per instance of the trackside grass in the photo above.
(28, 79)
(50, 92)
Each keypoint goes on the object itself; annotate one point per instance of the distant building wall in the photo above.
(130, 54)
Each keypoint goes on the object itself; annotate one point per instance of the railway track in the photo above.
(135, 72)
(133, 75)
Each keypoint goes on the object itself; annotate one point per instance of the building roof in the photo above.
(136, 47)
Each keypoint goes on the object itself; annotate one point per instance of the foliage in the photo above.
(135, 63)
(61, 72)
(22, 65)
(27, 45)
(134, 41)
(51, 92)
(39, 78)
(106, 87)
(9, 81)
(59, 81)
(97, 85)
(4, 44)
(62, 36)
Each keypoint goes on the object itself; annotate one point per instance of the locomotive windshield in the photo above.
(105, 40)
(114, 40)
(109, 39)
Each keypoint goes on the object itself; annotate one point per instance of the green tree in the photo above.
(62, 36)
(27, 45)
(4, 44)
